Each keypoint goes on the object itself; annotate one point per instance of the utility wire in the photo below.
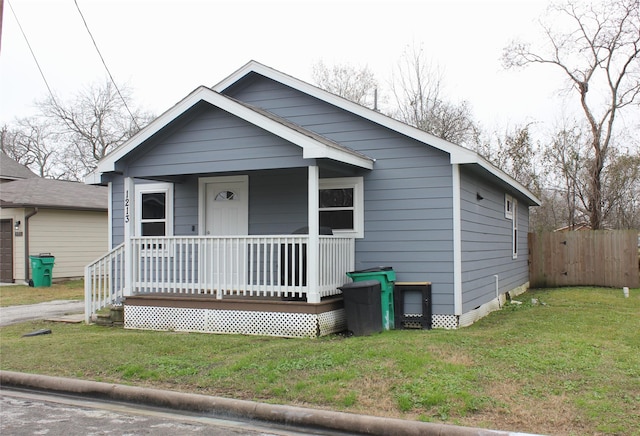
(105, 64)
(32, 53)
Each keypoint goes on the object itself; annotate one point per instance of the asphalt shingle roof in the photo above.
(12, 170)
(48, 193)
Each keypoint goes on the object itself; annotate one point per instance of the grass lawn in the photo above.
(570, 366)
(19, 294)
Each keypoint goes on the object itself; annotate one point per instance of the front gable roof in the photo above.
(312, 144)
(457, 153)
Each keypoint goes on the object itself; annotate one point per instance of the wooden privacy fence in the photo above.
(588, 258)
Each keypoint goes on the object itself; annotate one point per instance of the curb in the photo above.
(241, 409)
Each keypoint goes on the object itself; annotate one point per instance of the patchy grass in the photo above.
(16, 295)
(569, 366)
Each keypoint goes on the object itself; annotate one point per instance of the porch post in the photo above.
(129, 230)
(313, 247)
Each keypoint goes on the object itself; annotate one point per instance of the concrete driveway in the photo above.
(71, 310)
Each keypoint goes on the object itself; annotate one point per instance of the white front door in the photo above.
(226, 205)
(224, 211)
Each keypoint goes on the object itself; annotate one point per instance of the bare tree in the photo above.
(552, 214)
(94, 123)
(621, 192)
(417, 86)
(599, 57)
(32, 143)
(356, 84)
(565, 157)
(516, 153)
(9, 145)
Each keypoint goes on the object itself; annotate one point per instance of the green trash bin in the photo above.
(42, 269)
(386, 276)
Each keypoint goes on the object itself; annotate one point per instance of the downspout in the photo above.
(26, 243)
(497, 289)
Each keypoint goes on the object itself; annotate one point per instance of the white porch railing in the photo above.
(104, 282)
(249, 266)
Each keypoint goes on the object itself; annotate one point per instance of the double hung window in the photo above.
(154, 209)
(341, 205)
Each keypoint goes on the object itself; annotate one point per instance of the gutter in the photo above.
(26, 243)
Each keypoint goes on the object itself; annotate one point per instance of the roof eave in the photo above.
(533, 199)
(93, 178)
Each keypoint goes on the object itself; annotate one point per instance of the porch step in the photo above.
(113, 318)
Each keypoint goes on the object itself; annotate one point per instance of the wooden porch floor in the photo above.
(254, 304)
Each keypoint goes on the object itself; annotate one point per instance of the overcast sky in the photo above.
(165, 49)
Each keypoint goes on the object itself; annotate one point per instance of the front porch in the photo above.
(271, 284)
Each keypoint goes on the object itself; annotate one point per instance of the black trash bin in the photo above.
(386, 276)
(362, 307)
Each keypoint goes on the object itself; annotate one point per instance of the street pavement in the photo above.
(27, 413)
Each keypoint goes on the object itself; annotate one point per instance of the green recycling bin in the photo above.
(42, 269)
(386, 276)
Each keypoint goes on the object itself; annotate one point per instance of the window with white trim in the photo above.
(508, 206)
(514, 228)
(341, 205)
(154, 209)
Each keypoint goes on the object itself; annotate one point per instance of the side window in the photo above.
(154, 210)
(508, 206)
(341, 205)
(511, 213)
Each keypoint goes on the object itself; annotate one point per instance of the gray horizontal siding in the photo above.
(213, 141)
(117, 211)
(277, 201)
(408, 195)
(486, 242)
(185, 204)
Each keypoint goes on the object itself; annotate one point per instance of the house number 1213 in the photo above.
(126, 206)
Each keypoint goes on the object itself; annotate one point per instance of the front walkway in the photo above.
(57, 310)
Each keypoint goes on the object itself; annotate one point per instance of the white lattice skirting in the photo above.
(282, 324)
(294, 325)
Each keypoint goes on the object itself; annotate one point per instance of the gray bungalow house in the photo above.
(242, 207)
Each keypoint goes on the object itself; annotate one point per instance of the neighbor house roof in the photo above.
(12, 170)
(53, 194)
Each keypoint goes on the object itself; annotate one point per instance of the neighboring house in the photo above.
(37, 215)
(206, 199)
